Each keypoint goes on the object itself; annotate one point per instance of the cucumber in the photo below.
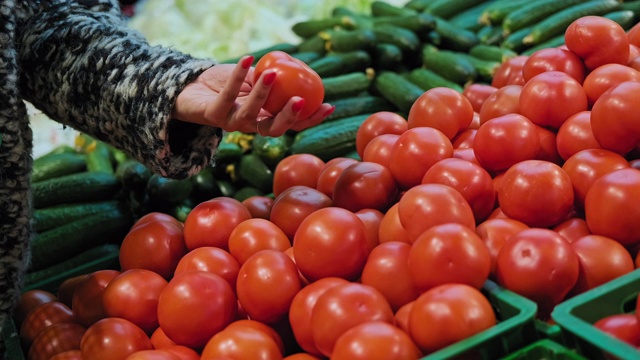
(63, 148)
(484, 68)
(382, 8)
(167, 192)
(633, 6)
(495, 13)
(515, 40)
(181, 211)
(307, 56)
(285, 47)
(557, 23)
(308, 28)
(397, 90)
(469, 19)
(100, 257)
(133, 174)
(624, 18)
(448, 8)
(228, 152)
(57, 164)
(449, 65)
(346, 85)
(491, 52)
(271, 149)
(227, 188)
(453, 37)
(342, 40)
(387, 57)
(329, 140)
(491, 35)
(530, 14)
(315, 44)
(404, 39)
(357, 105)
(75, 188)
(204, 186)
(99, 158)
(246, 192)
(336, 63)
(58, 244)
(417, 5)
(255, 172)
(553, 42)
(418, 23)
(427, 79)
(51, 217)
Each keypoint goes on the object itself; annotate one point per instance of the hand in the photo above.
(226, 96)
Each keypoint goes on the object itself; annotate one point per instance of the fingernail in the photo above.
(297, 106)
(246, 63)
(329, 112)
(269, 78)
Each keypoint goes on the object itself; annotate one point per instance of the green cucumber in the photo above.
(633, 6)
(515, 40)
(453, 37)
(418, 23)
(255, 172)
(258, 54)
(357, 105)
(307, 56)
(491, 52)
(530, 14)
(485, 68)
(51, 217)
(346, 85)
(99, 158)
(57, 164)
(133, 174)
(553, 42)
(271, 149)
(490, 35)
(448, 8)
(228, 152)
(308, 28)
(417, 5)
(495, 13)
(469, 19)
(63, 148)
(403, 38)
(75, 188)
(397, 90)
(387, 57)
(246, 192)
(624, 18)
(336, 63)
(341, 40)
(315, 44)
(449, 65)
(427, 79)
(204, 186)
(227, 188)
(166, 191)
(382, 8)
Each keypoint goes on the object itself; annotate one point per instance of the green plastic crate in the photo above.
(577, 315)
(544, 349)
(549, 331)
(515, 329)
(11, 339)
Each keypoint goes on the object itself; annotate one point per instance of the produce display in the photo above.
(473, 195)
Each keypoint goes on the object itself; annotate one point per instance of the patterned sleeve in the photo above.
(85, 68)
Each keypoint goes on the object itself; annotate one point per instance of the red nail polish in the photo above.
(297, 106)
(269, 78)
(329, 112)
(246, 63)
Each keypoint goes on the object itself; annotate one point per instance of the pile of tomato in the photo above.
(531, 181)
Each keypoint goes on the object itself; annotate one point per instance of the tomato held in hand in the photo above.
(293, 78)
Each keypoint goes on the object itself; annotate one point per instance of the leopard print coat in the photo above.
(80, 64)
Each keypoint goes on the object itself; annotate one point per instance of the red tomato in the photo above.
(375, 340)
(113, 338)
(387, 271)
(155, 216)
(601, 260)
(254, 324)
(443, 109)
(477, 93)
(211, 222)
(29, 300)
(415, 151)
(289, 253)
(296, 169)
(509, 72)
(391, 229)
(67, 288)
(87, 299)
(464, 140)
(365, 185)
(428, 205)
(296, 203)
(371, 219)
(330, 173)
(466, 154)
(453, 311)
(68, 355)
(133, 295)
(624, 327)
(331, 242)
(210, 259)
(495, 232)
(538, 193)
(259, 206)
(605, 77)
(341, 308)
(633, 35)
(253, 235)
(194, 306)
(572, 229)
(575, 135)
(43, 316)
(586, 166)
(379, 123)
(183, 352)
(302, 307)
(504, 141)
(293, 78)
(615, 121)
(506, 100)
(378, 150)
(597, 41)
(449, 253)
(549, 98)
(152, 355)
(554, 59)
(471, 180)
(241, 343)
(56, 339)
(611, 206)
(160, 340)
(267, 283)
(540, 265)
(402, 316)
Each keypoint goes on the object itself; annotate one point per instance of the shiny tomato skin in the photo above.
(152, 355)
(554, 59)
(210, 259)
(378, 150)
(293, 205)
(495, 232)
(210, 223)
(68, 355)
(259, 206)
(441, 108)
(159, 339)
(155, 216)
(597, 41)
(87, 304)
(183, 352)
(633, 35)
(402, 316)
(477, 93)
(56, 339)
(67, 288)
(241, 343)
(548, 147)
(293, 78)
(466, 154)
(29, 300)
(605, 77)
(572, 229)
(371, 219)
(575, 135)
(509, 72)
(253, 235)
(43, 316)
(258, 325)
(464, 140)
(113, 338)
(624, 327)
(375, 339)
(614, 120)
(379, 123)
(391, 229)
(296, 169)
(330, 173)
(505, 100)
(365, 185)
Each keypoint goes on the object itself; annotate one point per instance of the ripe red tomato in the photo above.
(29, 300)
(210, 259)
(428, 205)
(611, 206)
(605, 77)
(341, 308)
(633, 35)
(267, 283)
(477, 93)
(509, 72)
(133, 295)
(43, 316)
(466, 154)
(540, 265)
(538, 193)
(113, 338)
(375, 340)
(572, 229)
(67, 288)
(194, 306)
(302, 356)
(259, 206)
(614, 120)
(183, 352)
(597, 41)
(549, 98)
(56, 339)
(624, 327)
(293, 78)
(152, 355)
(453, 311)
(155, 216)
(331, 242)
(471, 180)
(391, 229)
(365, 185)
(253, 235)
(504, 141)
(464, 140)
(164, 240)
(506, 100)
(87, 304)
(371, 219)
(494, 233)
(68, 355)
(379, 123)
(296, 169)
(210, 223)
(296, 203)
(548, 149)
(443, 109)
(378, 150)
(254, 324)
(554, 59)
(575, 135)
(160, 340)
(330, 173)
(242, 342)
(415, 151)
(402, 316)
